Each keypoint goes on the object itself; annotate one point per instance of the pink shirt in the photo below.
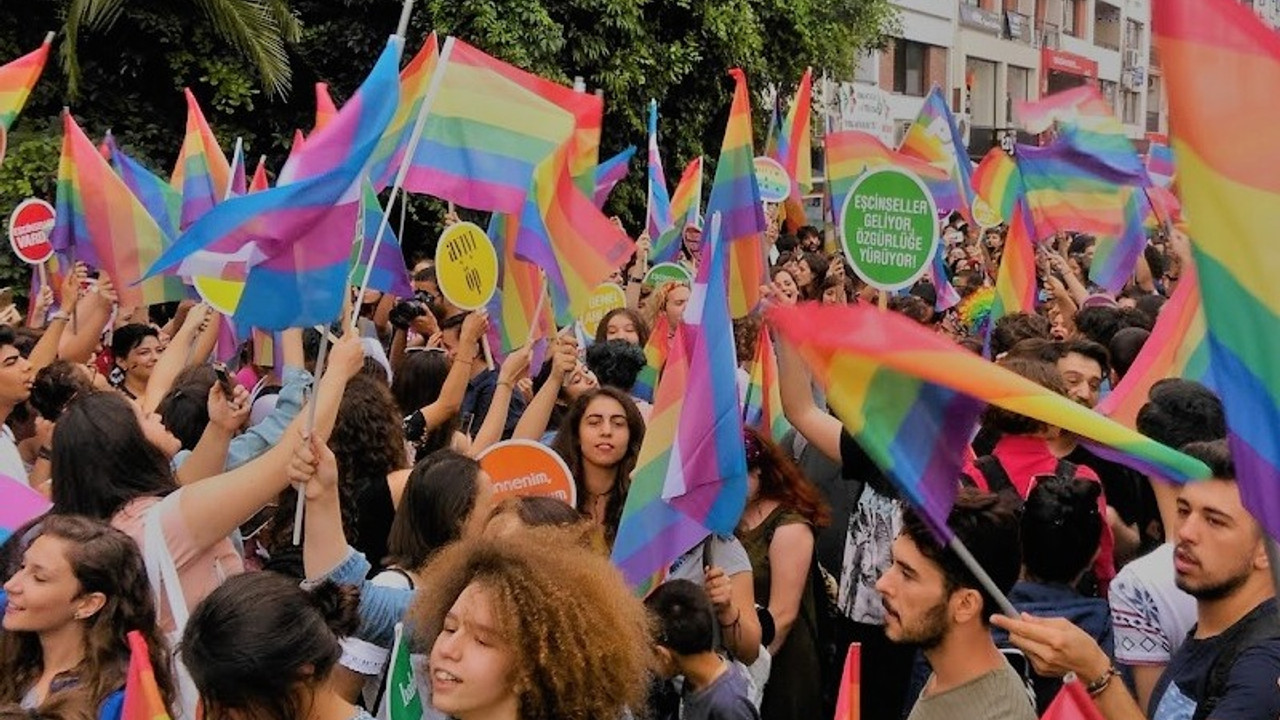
(200, 569)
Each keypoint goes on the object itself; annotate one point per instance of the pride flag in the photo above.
(236, 185)
(292, 244)
(17, 78)
(162, 202)
(326, 111)
(101, 223)
(762, 408)
(386, 272)
(520, 286)
(415, 78)
(874, 362)
(691, 476)
(611, 172)
(1221, 64)
(142, 700)
(946, 295)
(736, 197)
(259, 181)
(1072, 703)
(19, 505)
(658, 217)
(1081, 106)
(1160, 165)
(655, 357)
(851, 153)
(849, 700)
(935, 139)
(795, 150)
(1177, 347)
(686, 210)
(202, 173)
(491, 125)
(998, 183)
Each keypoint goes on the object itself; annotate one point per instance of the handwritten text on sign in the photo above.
(466, 266)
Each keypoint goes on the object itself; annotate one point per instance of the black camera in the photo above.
(406, 311)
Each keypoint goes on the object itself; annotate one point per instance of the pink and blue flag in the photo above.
(611, 172)
(1160, 165)
(386, 271)
(19, 505)
(292, 244)
(658, 212)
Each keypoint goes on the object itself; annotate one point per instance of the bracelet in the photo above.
(508, 383)
(736, 619)
(60, 316)
(1097, 687)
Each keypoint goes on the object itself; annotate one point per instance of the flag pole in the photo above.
(958, 547)
(403, 26)
(411, 148)
(537, 309)
(300, 508)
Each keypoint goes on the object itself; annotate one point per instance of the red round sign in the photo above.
(30, 226)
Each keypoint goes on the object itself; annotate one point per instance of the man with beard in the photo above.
(1227, 668)
(932, 600)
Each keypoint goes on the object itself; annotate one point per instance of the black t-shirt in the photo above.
(1128, 491)
(1251, 693)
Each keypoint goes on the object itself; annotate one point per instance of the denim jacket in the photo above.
(380, 607)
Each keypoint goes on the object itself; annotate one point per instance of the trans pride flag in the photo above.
(658, 217)
(1222, 65)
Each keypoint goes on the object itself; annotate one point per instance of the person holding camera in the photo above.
(463, 346)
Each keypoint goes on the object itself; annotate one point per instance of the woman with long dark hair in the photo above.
(600, 440)
(80, 589)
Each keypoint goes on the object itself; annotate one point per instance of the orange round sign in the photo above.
(519, 468)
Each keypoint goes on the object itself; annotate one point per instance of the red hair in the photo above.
(781, 480)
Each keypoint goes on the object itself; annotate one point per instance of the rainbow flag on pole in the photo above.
(658, 218)
(1220, 64)
(998, 183)
(795, 150)
(292, 244)
(686, 210)
(935, 139)
(691, 477)
(851, 153)
(415, 78)
(762, 408)
(161, 200)
(519, 288)
(17, 78)
(736, 197)
(142, 700)
(202, 173)
(849, 700)
(655, 357)
(611, 172)
(101, 223)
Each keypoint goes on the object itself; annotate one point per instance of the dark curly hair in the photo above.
(616, 363)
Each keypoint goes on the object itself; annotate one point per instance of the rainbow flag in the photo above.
(1177, 347)
(326, 111)
(386, 272)
(736, 197)
(236, 185)
(655, 356)
(611, 172)
(1081, 106)
(292, 244)
(658, 218)
(492, 125)
(19, 505)
(17, 78)
(101, 223)
(161, 200)
(691, 476)
(142, 700)
(862, 354)
(1160, 165)
(1016, 276)
(934, 139)
(849, 701)
(520, 286)
(1072, 703)
(762, 408)
(686, 209)
(415, 78)
(997, 183)
(795, 150)
(1220, 62)
(202, 173)
(851, 153)
(259, 181)
(947, 296)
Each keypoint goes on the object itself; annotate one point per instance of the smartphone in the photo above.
(224, 379)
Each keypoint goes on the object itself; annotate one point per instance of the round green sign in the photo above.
(889, 228)
(667, 272)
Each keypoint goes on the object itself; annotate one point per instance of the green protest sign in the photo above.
(889, 228)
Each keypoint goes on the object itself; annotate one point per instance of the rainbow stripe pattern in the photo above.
(658, 217)
(896, 384)
(162, 202)
(386, 272)
(17, 78)
(292, 244)
(611, 172)
(142, 700)
(415, 78)
(851, 153)
(691, 477)
(795, 150)
(1219, 62)
(735, 195)
(202, 173)
(491, 125)
(686, 210)
(101, 223)
(520, 286)
(762, 407)
(655, 356)
(998, 183)
(935, 139)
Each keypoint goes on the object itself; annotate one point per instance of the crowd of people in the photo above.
(176, 483)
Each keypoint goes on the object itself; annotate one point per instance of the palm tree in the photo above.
(259, 29)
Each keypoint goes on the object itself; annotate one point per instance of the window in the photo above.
(1131, 101)
(1110, 91)
(1132, 35)
(1019, 85)
(909, 60)
(1069, 17)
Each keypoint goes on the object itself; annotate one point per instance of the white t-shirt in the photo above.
(10, 461)
(1150, 615)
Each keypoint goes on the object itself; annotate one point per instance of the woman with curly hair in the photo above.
(777, 531)
(81, 588)
(665, 307)
(600, 441)
(519, 632)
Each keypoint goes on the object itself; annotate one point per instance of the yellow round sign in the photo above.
(466, 266)
(985, 215)
(604, 298)
(222, 295)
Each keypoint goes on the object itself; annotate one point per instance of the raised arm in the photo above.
(174, 358)
(533, 423)
(816, 425)
(513, 368)
(92, 312)
(449, 403)
(46, 350)
(226, 416)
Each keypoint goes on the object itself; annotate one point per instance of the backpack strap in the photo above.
(994, 473)
(1065, 470)
(1262, 624)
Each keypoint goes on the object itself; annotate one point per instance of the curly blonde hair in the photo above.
(581, 641)
(657, 302)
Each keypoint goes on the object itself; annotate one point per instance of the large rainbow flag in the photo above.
(415, 78)
(1221, 65)
(851, 153)
(882, 370)
(686, 210)
(658, 218)
(17, 78)
(520, 287)
(795, 150)
(142, 700)
(161, 200)
(691, 477)
(935, 139)
(762, 407)
(202, 173)
(292, 244)
(998, 184)
(101, 223)
(735, 195)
